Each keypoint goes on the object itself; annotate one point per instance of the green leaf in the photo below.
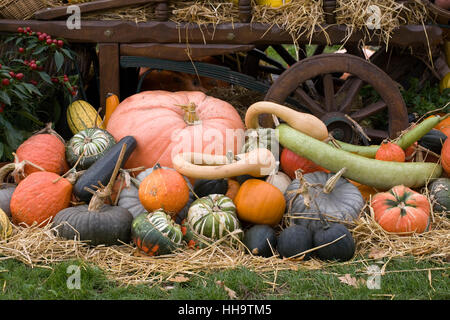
(31, 117)
(5, 98)
(19, 94)
(67, 53)
(59, 60)
(40, 50)
(13, 136)
(45, 77)
(32, 89)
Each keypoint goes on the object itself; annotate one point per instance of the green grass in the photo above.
(18, 281)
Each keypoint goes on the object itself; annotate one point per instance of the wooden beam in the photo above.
(109, 69)
(226, 33)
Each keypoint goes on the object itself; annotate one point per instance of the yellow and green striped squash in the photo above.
(81, 115)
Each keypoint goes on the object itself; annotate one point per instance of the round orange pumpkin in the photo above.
(164, 189)
(40, 196)
(167, 123)
(401, 210)
(44, 150)
(389, 151)
(259, 202)
(366, 191)
(445, 156)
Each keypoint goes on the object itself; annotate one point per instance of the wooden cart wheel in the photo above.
(335, 103)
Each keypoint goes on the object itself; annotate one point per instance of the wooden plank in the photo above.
(60, 12)
(178, 51)
(109, 70)
(238, 33)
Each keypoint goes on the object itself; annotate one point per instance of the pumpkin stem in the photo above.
(49, 130)
(5, 170)
(331, 183)
(190, 116)
(102, 193)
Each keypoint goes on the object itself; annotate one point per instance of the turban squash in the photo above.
(167, 123)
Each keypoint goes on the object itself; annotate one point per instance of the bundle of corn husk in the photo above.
(379, 17)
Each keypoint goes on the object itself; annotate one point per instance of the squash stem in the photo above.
(331, 183)
(190, 116)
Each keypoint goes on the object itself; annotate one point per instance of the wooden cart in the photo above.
(163, 44)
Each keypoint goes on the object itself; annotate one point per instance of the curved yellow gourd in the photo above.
(81, 115)
(303, 122)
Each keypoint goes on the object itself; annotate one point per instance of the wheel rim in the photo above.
(327, 105)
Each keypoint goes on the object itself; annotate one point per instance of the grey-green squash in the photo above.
(440, 195)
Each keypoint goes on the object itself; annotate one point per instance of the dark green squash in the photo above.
(260, 240)
(241, 179)
(440, 195)
(102, 169)
(6, 191)
(108, 225)
(294, 240)
(156, 233)
(341, 250)
(433, 141)
(204, 187)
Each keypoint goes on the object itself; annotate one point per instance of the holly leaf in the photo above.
(39, 50)
(5, 98)
(59, 60)
(67, 53)
(45, 77)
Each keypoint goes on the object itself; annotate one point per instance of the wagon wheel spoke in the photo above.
(284, 54)
(353, 90)
(309, 102)
(328, 92)
(376, 134)
(368, 111)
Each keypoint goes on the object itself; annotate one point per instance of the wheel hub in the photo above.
(339, 127)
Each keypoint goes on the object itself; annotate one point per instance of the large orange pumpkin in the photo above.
(44, 150)
(401, 210)
(167, 123)
(40, 196)
(164, 189)
(445, 156)
(259, 202)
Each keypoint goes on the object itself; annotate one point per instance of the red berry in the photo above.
(5, 82)
(33, 66)
(74, 93)
(0, 66)
(33, 61)
(21, 50)
(25, 62)
(48, 37)
(12, 74)
(20, 30)
(49, 41)
(19, 76)
(55, 41)
(28, 29)
(60, 43)
(38, 33)
(34, 82)
(2, 107)
(41, 37)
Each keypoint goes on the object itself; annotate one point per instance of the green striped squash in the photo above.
(210, 218)
(261, 138)
(156, 233)
(81, 115)
(94, 142)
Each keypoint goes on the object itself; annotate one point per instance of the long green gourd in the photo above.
(404, 141)
(382, 175)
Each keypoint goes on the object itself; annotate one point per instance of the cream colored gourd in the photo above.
(258, 163)
(303, 122)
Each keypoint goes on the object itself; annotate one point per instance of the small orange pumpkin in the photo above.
(259, 202)
(44, 150)
(445, 156)
(389, 151)
(164, 189)
(366, 191)
(40, 196)
(291, 162)
(401, 210)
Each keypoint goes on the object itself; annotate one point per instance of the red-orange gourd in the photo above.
(44, 150)
(446, 130)
(167, 123)
(401, 210)
(259, 202)
(366, 191)
(445, 156)
(389, 151)
(40, 196)
(444, 123)
(164, 189)
(233, 188)
(291, 162)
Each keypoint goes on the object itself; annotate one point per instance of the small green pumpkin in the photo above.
(260, 240)
(204, 187)
(94, 142)
(440, 195)
(211, 218)
(156, 233)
